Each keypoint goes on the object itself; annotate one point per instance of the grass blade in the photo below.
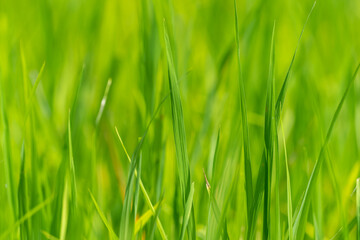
(300, 219)
(142, 187)
(8, 163)
(187, 211)
(259, 188)
(358, 206)
(244, 123)
(25, 217)
(288, 186)
(65, 212)
(282, 94)
(270, 145)
(127, 221)
(141, 221)
(103, 102)
(23, 199)
(179, 133)
(103, 218)
(72, 167)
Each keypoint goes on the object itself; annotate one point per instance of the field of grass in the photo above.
(162, 119)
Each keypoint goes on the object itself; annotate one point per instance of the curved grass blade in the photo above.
(282, 94)
(182, 159)
(300, 220)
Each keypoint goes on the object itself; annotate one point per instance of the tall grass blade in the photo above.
(244, 123)
(358, 206)
(127, 221)
(142, 187)
(288, 187)
(300, 220)
(270, 146)
(179, 133)
(282, 94)
(187, 211)
(259, 188)
(71, 167)
(23, 198)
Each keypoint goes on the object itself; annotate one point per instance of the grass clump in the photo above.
(189, 120)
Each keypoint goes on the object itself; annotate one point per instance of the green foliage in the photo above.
(223, 116)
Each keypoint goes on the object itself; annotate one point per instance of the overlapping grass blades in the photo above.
(300, 219)
(259, 188)
(135, 154)
(182, 159)
(244, 124)
(281, 98)
(127, 221)
(25, 218)
(270, 135)
(187, 211)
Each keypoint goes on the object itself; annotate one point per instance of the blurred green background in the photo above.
(84, 43)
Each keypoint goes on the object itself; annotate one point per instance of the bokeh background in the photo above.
(84, 43)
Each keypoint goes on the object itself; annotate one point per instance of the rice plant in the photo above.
(160, 119)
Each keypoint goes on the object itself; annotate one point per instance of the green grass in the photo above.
(179, 119)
